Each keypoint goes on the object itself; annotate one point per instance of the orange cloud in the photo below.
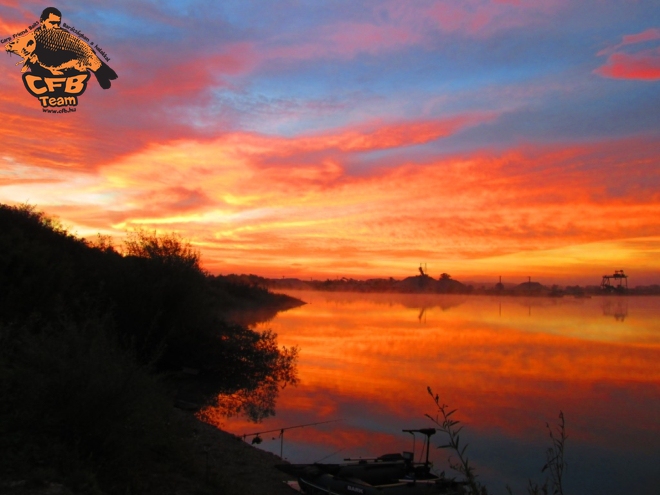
(31, 139)
(294, 205)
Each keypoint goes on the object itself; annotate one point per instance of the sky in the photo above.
(326, 139)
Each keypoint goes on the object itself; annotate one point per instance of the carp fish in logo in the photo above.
(58, 50)
(50, 51)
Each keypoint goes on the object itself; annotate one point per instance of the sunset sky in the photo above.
(326, 138)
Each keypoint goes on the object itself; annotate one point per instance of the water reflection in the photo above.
(508, 364)
(618, 309)
(251, 388)
(256, 404)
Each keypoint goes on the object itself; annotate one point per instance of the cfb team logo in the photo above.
(56, 63)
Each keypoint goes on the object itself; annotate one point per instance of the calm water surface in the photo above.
(509, 365)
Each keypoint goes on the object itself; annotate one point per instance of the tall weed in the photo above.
(555, 464)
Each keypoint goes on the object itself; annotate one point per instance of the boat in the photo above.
(389, 474)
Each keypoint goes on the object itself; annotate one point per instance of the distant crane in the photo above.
(620, 282)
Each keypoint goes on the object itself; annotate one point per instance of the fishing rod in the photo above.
(257, 439)
(329, 455)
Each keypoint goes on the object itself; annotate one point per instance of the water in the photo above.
(509, 365)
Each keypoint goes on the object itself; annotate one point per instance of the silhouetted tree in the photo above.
(85, 331)
(167, 249)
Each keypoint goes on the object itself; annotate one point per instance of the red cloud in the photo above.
(8, 27)
(642, 66)
(154, 79)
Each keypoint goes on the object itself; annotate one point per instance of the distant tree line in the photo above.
(445, 284)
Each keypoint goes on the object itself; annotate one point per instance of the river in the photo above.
(509, 365)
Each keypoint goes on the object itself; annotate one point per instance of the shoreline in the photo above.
(220, 462)
(239, 466)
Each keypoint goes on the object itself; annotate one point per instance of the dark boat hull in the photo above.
(372, 473)
(389, 474)
(328, 484)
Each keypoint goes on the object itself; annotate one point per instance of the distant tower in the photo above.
(620, 282)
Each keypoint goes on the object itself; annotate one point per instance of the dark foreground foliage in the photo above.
(93, 342)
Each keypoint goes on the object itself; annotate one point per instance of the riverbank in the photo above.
(220, 463)
(231, 463)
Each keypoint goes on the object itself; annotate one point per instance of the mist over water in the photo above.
(508, 364)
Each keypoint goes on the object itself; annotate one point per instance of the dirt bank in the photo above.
(240, 467)
(221, 463)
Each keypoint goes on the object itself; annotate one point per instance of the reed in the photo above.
(554, 467)
(555, 463)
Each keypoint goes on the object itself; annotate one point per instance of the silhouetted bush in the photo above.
(87, 334)
(159, 302)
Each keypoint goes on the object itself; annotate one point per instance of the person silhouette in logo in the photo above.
(51, 18)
